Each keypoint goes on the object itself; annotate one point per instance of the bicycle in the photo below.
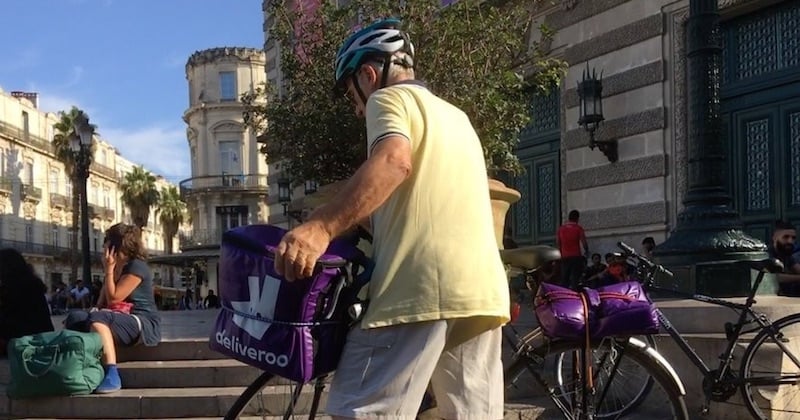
(625, 369)
(720, 384)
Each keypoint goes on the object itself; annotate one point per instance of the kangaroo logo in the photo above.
(262, 304)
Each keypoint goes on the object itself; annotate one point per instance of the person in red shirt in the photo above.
(570, 237)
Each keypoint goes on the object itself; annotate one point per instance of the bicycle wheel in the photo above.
(662, 400)
(771, 371)
(629, 382)
(273, 397)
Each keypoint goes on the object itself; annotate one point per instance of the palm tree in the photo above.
(170, 213)
(65, 128)
(139, 193)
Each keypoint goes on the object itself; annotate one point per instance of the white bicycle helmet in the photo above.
(377, 41)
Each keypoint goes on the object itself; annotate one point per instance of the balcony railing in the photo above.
(101, 212)
(27, 138)
(200, 238)
(31, 193)
(59, 200)
(103, 170)
(224, 182)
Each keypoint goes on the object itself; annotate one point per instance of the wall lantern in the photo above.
(590, 92)
(284, 193)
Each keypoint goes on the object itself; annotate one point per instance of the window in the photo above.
(68, 187)
(29, 172)
(29, 233)
(54, 236)
(96, 193)
(26, 129)
(95, 239)
(106, 197)
(229, 161)
(53, 180)
(70, 236)
(227, 86)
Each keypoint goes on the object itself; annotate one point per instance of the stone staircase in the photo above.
(180, 378)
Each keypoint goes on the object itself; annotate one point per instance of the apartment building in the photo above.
(36, 195)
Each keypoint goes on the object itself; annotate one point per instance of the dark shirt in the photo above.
(212, 301)
(23, 310)
(788, 260)
(144, 305)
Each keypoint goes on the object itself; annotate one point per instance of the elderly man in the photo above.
(438, 294)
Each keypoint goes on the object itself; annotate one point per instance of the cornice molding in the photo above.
(211, 55)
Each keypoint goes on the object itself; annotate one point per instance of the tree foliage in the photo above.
(170, 213)
(475, 54)
(139, 193)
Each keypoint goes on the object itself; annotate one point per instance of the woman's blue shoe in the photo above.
(111, 383)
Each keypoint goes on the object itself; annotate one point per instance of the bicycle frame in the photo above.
(733, 332)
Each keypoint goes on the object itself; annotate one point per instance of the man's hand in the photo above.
(299, 250)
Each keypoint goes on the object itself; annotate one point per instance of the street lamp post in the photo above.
(81, 146)
(708, 234)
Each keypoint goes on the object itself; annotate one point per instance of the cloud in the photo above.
(49, 102)
(161, 149)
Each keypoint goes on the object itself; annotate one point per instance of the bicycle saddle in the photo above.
(770, 265)
(529, 257)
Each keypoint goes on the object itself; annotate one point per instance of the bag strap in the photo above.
(27, 356)
(587, 357)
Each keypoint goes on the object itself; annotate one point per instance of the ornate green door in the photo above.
(537, 215)
(761, 109)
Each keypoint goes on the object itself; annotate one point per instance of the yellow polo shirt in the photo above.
(434, 245)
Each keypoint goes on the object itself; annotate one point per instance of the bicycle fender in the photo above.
(653, 353)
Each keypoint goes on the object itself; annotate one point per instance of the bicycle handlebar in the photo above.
(629, 251)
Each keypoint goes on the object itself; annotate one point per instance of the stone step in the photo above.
(187, 374)
(152, 403)
(175, 349)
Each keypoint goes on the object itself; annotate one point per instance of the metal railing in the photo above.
(29, 192)
(104, 170)
(199, 238)
(27, 138)
(224, 182)
(60, 200)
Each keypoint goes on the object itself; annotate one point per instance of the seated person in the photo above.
(617, 271)
(593, 271)
(80, 296)
(784, 238)
(212, 300)
(23, 305)
(127, 280)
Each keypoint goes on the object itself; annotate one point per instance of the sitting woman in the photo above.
(23, 304)
(616, 272)
(128, 281)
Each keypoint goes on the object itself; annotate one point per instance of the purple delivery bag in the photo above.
(295, 330)
(617, 309)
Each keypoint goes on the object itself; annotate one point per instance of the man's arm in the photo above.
(371, 185)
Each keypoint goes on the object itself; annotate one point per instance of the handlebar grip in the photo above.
(625, 247)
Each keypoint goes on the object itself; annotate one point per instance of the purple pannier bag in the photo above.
(295, 330)
(617, 309)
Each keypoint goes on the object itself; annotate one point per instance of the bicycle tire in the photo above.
(786, 330)
(624, 407)
(244, 404)
(659, 374)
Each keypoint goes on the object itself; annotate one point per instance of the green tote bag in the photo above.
(55, 363)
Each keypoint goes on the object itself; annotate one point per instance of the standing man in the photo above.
(783, 243)
(570, 237)
(438, 294)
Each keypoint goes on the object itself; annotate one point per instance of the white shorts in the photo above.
(384, 372)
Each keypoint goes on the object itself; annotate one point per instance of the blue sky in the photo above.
(123, 62)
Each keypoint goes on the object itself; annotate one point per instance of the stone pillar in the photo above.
(708, 234)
